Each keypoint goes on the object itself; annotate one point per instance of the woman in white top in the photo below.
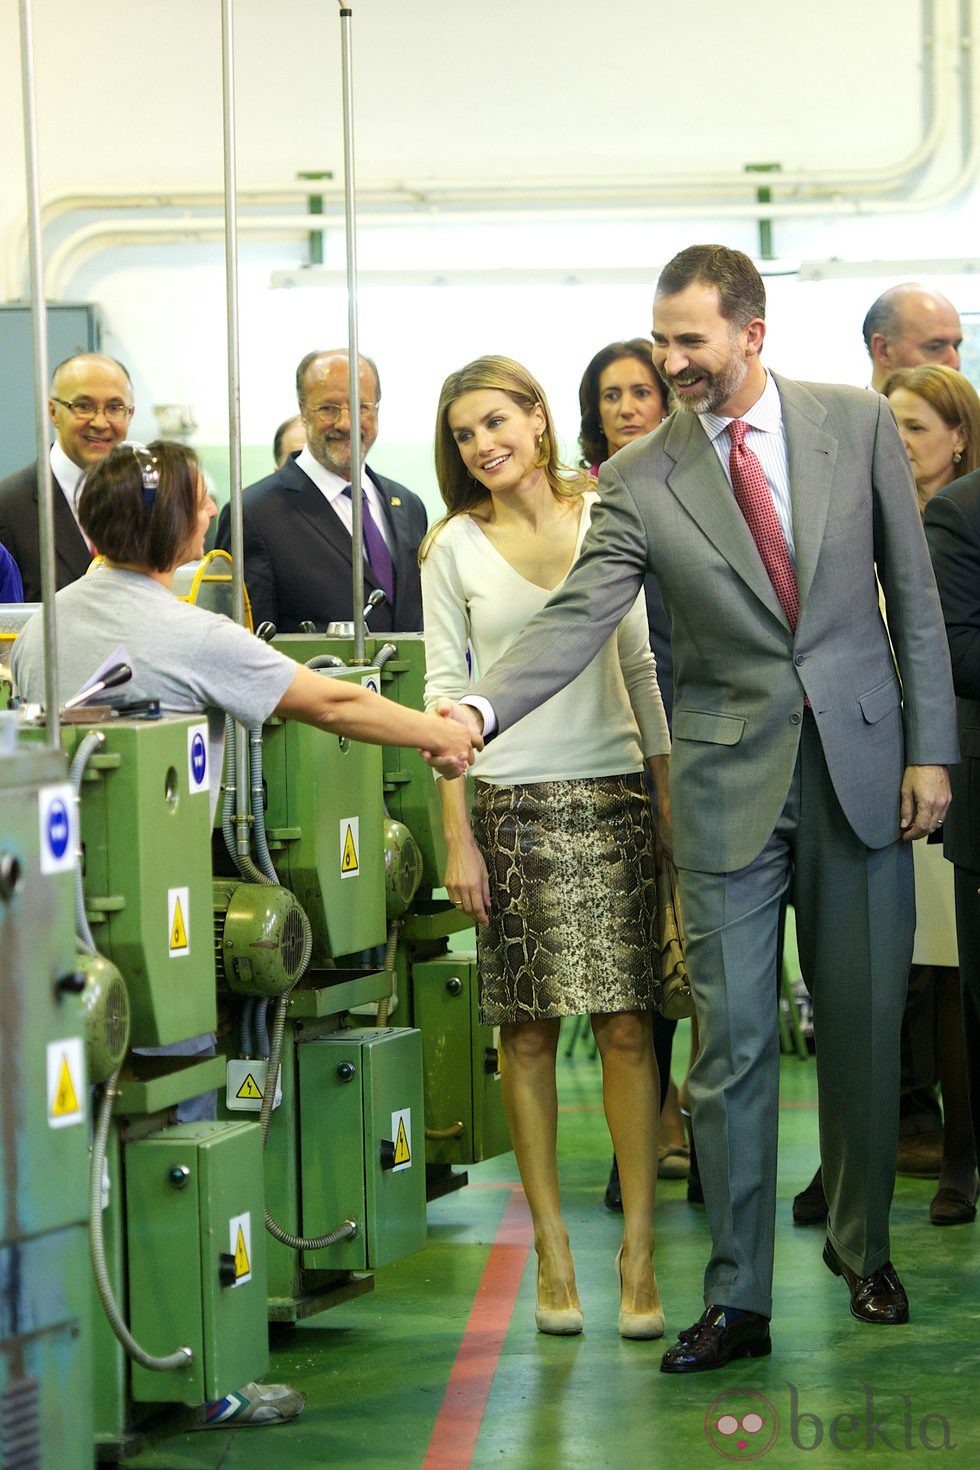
(557, 869)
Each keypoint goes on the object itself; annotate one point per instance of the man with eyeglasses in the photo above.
(91, 405)
(298, 521)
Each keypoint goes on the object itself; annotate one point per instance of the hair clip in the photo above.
(149, 469)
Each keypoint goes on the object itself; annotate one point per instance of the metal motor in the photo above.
(403, 867)
(105, 1005)
(258, 937)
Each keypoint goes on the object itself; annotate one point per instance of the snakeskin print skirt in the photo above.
(573, 899)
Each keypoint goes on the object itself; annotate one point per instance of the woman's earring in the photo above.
(957, 457)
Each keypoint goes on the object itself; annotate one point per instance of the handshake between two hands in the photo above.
(462, 739)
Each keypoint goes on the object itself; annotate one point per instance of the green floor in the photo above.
(376, 1370)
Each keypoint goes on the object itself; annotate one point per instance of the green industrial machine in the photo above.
(45, 1327)
(341, 1203)
(179, 1227)
(436, 991)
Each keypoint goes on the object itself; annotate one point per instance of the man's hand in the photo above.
(925, 800)
(454, 750)
(466, 715)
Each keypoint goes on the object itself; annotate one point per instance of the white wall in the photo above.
(129, 94)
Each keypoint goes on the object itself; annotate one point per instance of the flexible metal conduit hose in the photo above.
(86, 748)
(183, 1355)
(267, 874)
(384, 1004)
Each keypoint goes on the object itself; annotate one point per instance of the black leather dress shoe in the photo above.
(614, 1190)
(810, 1205)
(879, 1297)
(711, 1342)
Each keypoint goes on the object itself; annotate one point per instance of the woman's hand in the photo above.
(466, 878)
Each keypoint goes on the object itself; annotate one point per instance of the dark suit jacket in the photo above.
(298, 554)
(19, 533)
(952, 521)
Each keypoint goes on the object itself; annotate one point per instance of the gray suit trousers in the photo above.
(855, 912)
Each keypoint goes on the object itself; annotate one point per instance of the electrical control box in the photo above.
(410, 789)
(363, 1145)
(196, 1258)
(145, 826)
(325, 827)
(464, 1111)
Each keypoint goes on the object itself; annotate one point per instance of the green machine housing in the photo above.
(177, 1193)
(325, 827)
(464, 1118)
(45, 1331)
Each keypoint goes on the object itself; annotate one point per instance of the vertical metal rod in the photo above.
(353, 356)
(234, 388)
(39, 323)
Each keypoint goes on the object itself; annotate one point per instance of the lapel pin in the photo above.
(395, 500)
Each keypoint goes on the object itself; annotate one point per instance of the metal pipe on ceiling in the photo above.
(39, 325)
(943, 37)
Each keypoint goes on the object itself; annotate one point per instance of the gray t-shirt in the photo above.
(191, 660)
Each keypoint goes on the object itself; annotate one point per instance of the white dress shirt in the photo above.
(332, 488)
(766, 437)
(67, 474)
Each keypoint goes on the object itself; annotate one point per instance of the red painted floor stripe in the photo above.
(464, 1405)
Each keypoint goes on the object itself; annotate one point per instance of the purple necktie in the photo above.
(378, 555)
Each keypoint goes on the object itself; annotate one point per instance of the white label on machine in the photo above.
(245, 1086)
(372, 682)
(240, 1246)
(56, 810)
(350, 846)
(401, 1132)
(198, 775)
(66, 1082)
(178, 922)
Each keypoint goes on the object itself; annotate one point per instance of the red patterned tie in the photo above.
(755, 502)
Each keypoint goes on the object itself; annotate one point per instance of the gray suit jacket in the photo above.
(740, 675)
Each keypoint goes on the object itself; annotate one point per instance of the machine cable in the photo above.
(87, 747)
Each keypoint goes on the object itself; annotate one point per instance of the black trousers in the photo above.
(968, 943)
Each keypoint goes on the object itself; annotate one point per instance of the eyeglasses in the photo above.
(84, 409)
(329, 413)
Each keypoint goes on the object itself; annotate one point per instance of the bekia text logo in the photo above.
(741, 1424)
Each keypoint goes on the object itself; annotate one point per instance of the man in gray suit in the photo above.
(764, 507)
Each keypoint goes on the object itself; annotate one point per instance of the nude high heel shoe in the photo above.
(636, 1324)
(557, 1321)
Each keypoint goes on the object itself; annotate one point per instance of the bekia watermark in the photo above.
(743, 1425)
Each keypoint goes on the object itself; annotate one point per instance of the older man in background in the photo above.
(909, 325)
(298, 547)
(91, 407)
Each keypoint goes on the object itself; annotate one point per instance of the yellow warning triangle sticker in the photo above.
(403, 1154)
(178, 934)
(242, 1267)
(249, 1088)
(66, 1098)
(348, 862)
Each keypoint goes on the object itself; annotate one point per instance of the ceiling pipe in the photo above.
(942, 37)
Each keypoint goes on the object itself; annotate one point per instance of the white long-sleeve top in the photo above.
(604, 723)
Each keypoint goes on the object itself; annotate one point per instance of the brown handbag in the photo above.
(676, 1000)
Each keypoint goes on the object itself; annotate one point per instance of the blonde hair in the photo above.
(459, 491)
(952, 396)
